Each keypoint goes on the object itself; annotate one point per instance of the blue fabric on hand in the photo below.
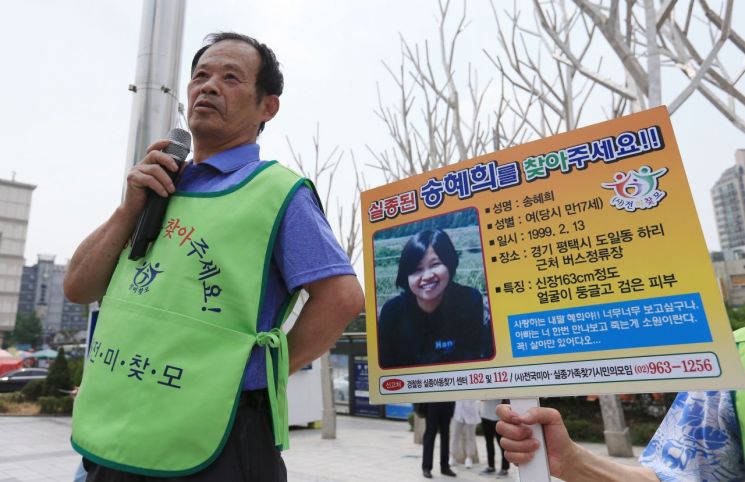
(699, 439)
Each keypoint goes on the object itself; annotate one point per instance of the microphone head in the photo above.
(151, 219)
(180, 143)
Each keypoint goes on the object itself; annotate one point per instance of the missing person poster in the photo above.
(566, 266)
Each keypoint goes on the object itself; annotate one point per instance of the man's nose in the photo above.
(210, 86)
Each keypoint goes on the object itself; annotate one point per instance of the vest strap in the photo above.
(275, 339)
(739, 395)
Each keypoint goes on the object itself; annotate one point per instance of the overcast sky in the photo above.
(66, 108)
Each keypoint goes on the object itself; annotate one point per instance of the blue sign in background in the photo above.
(588, 328)
(362, 405)
(398, 411)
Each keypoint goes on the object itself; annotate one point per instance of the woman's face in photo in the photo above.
(429, 280)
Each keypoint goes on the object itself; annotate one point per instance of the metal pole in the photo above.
(329, 413)
(155, 103)
(616, 433)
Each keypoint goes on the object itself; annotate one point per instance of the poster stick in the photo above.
(537, 469)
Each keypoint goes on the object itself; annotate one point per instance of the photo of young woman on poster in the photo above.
(434, 319)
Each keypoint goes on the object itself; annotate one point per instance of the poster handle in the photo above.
(537, 469)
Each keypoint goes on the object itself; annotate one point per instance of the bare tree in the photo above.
(524, 58)
(647, 43)
(548, 73)
(322, 172)
(438, 117)
(687, 37)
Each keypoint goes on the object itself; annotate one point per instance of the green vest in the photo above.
(739, 395)
(165, 367)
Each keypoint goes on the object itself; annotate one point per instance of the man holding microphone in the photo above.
(187, 369)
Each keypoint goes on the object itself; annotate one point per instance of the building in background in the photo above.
(15, 206)
(42, 294)
(728, 195)
(730, 273)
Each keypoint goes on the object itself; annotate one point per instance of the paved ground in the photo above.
(37, 449)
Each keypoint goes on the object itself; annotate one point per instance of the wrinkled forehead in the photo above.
(231, 55)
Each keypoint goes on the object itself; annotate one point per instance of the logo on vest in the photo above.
(144, 276)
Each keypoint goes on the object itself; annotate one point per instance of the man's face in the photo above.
(224, 107)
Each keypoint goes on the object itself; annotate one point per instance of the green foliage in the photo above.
(12, 397)
(643, 406)
(3, 406)
(585, 423)
(736, 317)
(581, 429)
(76, 370)
(357, 325)
(642, 432)
(27, 329)
(387, 256)
(59, 376)
(56, 405)
(33, 390)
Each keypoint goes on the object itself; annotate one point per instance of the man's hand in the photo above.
(149, 173)
(566, 459)
(332, 304)
(93, 263)
(520, 447)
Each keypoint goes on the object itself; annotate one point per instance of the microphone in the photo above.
(151, 219)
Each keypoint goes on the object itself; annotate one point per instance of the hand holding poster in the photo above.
(567, 266)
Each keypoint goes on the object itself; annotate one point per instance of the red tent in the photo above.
(8, 364)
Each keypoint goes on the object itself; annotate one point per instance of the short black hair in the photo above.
(414, 251)
(269, 79)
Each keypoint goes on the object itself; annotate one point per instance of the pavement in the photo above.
(37, 449)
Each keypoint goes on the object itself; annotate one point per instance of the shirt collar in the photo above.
(233, 159)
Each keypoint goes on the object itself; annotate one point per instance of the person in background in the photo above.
(437, 417)
(489, 419)
(465, 419)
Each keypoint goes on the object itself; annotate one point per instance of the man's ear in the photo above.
(271, 107)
